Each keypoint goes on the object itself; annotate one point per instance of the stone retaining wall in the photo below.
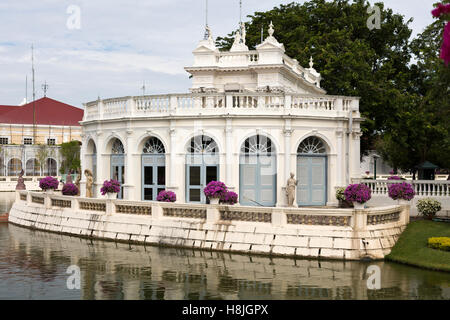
(320, 233)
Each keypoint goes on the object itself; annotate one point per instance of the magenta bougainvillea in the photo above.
(401, 191)
(110, 186)
(230, 198)
(70, 189)
(48, 183)
(443, 11)
(215, 189)
(357, 193)
(166, 196)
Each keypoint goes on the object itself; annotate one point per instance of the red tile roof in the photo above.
(48, 112)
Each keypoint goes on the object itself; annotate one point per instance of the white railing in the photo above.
(221, 104)
(422, 188)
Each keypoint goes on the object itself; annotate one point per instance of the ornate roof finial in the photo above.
(311, 62)
(271, 29)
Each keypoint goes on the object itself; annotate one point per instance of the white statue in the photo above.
(290, 190)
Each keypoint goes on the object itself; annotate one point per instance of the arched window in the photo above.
(51, 167)
(153, 146)
(202, 144)
(32, 167)
(117, 147)
(312, 145)
(257, 145)
(14, 167)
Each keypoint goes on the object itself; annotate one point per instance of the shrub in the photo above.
(357, 193)
(402, 191)
(110, 186)
(70, 189)
(215, 189)
(428, 207)
(48, 183)
(230, 198)
(340, 194)
(441, 243)
(166, 196)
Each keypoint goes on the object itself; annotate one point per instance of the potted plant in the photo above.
(214, 191)
(110, 188)
(49, 184)
(359, 194)
(403, 192)
(166, 196)
(70, 189)
(428, 207)
(340, 196)
(229, 198)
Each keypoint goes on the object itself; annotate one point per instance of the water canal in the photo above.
(33, 265)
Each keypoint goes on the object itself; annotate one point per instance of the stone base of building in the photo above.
(343, 234)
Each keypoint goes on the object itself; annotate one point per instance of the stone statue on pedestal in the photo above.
(20, 182)
(89, 183)
(290, 190)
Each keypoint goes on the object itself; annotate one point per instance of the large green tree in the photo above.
(353, 60)
(70, 153)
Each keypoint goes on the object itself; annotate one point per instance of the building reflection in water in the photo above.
(120, 271)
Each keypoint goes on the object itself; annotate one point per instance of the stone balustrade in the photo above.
(216, 104)
(423, 188)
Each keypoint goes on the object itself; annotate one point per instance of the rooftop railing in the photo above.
(221, 104)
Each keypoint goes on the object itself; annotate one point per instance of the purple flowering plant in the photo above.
(403, 191)
(48, 183)
(110, 186)
(443, 11)
(166, 196)
(70, 189)
(230, 198)
(215, 189)
(357, 193)
(394, 178)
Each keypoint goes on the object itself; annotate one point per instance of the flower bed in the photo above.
(441, 243)
(48, 183)
(70, 189)
(401, 191)
(166, 196)
(357, 193)
(428, 207)
(110, 186)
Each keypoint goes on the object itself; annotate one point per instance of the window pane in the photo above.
(148, 194)
(194, 195)
(211, 174)
(148, 175)
(194, 174)
(161, 176)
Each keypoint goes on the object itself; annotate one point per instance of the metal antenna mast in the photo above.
(34, 95)
(45, 88)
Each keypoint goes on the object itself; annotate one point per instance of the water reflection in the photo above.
(6, 201)
(33, 264)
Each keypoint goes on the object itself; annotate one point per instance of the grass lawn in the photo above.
(412, 248)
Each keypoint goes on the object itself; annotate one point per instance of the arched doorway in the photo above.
(14, 167)
(202, 167)
(312, 172)
(32, 167)
(51, 167)
(118, 164)
(153, 169)
(258, 172)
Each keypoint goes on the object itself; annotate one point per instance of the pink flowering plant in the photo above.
(70, 189)
(394, 178)
(166, 196)
(230, 198)
(401, 191)
(443, 11)
(215, 189)
(48, 183)
(110, 186)
(357, 193)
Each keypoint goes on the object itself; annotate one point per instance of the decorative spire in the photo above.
(311, 62)
(271, 29)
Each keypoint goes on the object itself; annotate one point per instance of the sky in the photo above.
(116, 45)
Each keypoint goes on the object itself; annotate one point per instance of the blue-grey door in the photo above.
(153, 176)
(312, 180)
(200, 170)
(118, 171)
(258, 180)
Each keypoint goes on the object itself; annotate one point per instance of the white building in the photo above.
(251, 118)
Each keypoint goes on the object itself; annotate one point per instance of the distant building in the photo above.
(35, 149)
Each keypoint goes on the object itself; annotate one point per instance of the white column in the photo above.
(229, 154)
(287, 132)
(103, 167)
(84, 165)
(173, 185)
(131, 177)
(355, 155)
(340, 158)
